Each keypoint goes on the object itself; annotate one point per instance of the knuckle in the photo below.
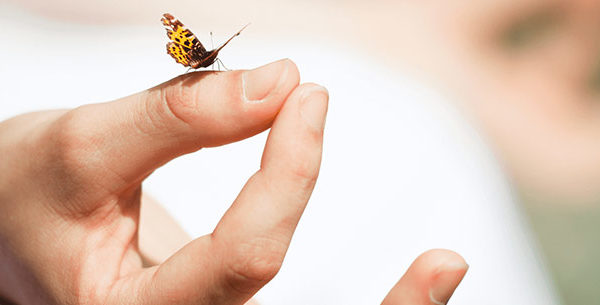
(198, 98)
(305, 178)
(75, 155)
(304, 174)
(255, 263)
(74, 147)
(179, 102)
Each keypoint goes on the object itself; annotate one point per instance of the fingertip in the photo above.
(430, 279)
(436, 263)
(314, 104)
(273, 79)
(265, 90)
(439, 260)
(441, 270)
(294, 147)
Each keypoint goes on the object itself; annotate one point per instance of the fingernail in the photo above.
(446, 281)
(258, 83)
(313, 107)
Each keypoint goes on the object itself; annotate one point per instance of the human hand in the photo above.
(70, 193)
(431, 279)
(71, 187)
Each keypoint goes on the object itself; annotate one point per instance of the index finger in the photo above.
(247, 248)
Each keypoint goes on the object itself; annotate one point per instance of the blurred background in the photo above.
(483, 118)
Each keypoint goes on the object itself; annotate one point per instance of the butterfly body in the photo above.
(203, 60)
(185, 48)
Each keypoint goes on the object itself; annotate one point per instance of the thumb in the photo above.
(128, 138)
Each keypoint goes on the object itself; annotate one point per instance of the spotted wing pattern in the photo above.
(179, 53)
(183, 41)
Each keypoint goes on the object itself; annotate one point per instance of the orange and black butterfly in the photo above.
(186, 48)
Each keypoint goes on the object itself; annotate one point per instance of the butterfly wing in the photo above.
(180, 35)
(178, 52)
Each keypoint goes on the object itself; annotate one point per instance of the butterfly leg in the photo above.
(218, 65)
(222, 64)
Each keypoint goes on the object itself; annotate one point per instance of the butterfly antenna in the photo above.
(236, 34)
(212, 44)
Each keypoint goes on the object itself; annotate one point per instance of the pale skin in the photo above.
(70, 196)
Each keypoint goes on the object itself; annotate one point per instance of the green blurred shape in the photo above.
(595, 79)
(570, 239)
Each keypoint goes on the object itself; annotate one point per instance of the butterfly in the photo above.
(185, 46)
